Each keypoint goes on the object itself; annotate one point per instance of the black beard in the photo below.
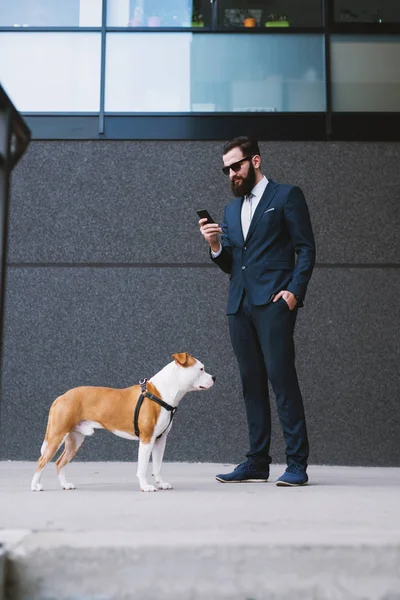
(244, 188)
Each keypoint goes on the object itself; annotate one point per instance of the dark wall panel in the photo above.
(105, 326)
(129, 208)
(136, 201)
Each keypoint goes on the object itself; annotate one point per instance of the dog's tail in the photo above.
(46, 437)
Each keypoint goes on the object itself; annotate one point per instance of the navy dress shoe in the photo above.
(247, 472)
(294, 475)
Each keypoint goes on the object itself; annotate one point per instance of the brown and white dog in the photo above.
(80, 411)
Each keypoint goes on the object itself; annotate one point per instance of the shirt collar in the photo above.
(259, 189)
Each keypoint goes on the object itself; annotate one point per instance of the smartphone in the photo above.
(204, 214)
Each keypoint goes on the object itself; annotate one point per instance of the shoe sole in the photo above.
(243, 480)
(285, 484)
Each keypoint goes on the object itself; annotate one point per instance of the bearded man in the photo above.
(264, 228)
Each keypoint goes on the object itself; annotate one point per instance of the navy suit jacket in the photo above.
(265, 263)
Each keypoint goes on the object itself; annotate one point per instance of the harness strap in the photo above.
(145, 394)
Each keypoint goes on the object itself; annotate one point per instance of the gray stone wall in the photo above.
(108, 276)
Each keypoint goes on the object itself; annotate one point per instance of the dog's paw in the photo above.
(68, 486)
(37, 487)
(164, 486)
(148, 488)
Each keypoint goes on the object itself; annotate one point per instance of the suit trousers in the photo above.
(262, 340)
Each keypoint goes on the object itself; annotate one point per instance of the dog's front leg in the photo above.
(143, 463)
(157, 456)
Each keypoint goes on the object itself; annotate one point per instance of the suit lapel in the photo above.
(266, 199)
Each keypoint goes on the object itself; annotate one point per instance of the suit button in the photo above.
(243, 267)
(245, 248)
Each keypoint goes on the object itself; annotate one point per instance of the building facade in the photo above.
(107, 274)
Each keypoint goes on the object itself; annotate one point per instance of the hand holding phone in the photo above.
(204, 214)
(212, 236)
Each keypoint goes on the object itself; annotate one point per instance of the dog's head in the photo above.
(191, 373)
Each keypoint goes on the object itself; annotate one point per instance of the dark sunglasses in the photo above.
(236, 166)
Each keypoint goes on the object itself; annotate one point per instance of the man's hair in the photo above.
(248, 146)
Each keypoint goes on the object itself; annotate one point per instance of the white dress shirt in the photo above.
(249, 206)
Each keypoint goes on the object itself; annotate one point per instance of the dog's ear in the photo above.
(181, 358)
(184, 359)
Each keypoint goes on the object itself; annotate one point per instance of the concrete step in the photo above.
(119, 565)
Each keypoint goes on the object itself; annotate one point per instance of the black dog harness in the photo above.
(144, 393)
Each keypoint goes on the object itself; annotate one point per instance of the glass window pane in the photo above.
(50, 13)
(367, 11)
(51, 72)
(233, 14)
(167, 72)
(158, 13)
(365, 73)
(148, 72)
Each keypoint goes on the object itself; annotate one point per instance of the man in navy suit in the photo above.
(264, 228)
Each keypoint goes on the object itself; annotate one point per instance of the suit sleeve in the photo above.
(299, 224)
(224, 260)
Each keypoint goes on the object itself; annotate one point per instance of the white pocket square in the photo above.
(265, 211)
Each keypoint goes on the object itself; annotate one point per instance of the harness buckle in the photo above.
(142, 384)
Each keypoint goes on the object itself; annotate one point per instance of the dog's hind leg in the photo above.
(49, 448)
(73, 442)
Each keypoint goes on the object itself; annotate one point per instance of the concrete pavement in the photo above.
(337, 538)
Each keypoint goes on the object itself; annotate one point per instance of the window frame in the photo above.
(285, 126)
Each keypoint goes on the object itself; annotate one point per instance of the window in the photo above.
(50, 13)
(52, 72)
(148, 72)
(158, 13)
(367, 11)
(239, 14)
(168, 72)
(366, 73)
(202, 69)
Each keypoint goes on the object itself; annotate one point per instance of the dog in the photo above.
(142, 412)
